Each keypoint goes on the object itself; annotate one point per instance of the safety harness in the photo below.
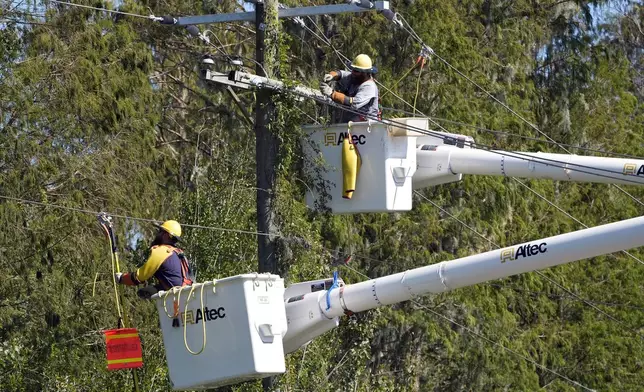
(187, 270)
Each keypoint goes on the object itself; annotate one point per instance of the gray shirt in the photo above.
(364, 97)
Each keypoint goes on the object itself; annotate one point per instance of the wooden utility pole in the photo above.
(266, 17)
(266, 141)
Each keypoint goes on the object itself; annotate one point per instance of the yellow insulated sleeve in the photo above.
(351, 163)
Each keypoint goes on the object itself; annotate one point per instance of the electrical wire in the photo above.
(100, 9)
(541, 274)
(486, 339)
(85, 211)
(411, 31)
(564, 165)
(518, 136)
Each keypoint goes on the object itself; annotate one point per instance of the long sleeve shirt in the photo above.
(361, 97)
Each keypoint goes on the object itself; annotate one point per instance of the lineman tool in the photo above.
(123, 322)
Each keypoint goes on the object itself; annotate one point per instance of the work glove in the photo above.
(117, 277)
(326, 89)
(327, 78)
(147, 292)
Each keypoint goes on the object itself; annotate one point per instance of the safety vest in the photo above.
(187, 274)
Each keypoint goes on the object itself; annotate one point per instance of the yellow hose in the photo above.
(351, 163)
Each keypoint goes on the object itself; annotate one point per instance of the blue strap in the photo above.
(333, 286)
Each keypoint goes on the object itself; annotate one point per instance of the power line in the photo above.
(563, 165)
(585, 301)
(486, 339)
(514, 154)
(516, 353)
(85, 211)
(103, 9)
(518, 136)
(411, 31)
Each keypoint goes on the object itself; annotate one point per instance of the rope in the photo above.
(203, 322)
(165, 296)
(413, 67)
(94, 285)
(422, 65)
(177, 290)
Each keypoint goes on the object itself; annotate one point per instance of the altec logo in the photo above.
(335, 139)
(526, 250)
(631, 169)
(193, 317)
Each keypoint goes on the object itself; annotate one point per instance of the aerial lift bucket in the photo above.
(359, 167)
(223, 332)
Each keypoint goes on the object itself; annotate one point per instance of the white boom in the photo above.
(250, 321)
(309, 315)
(438, 160)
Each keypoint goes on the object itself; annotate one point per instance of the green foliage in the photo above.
(104, 112)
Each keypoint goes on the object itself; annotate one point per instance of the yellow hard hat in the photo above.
(362, 63)
(172, 227)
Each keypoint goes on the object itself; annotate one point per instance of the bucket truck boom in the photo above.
(438, 160)
(398, 156)
(314, 313)
(245, 324)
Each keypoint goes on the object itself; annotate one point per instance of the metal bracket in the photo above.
(283, 13)
(223, 78)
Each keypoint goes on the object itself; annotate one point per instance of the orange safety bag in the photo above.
(123, 349)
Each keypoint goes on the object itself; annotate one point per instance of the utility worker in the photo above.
(356, 89)
(166, 262)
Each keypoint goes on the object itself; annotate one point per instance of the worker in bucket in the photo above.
(166, 263)
(356, 89)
